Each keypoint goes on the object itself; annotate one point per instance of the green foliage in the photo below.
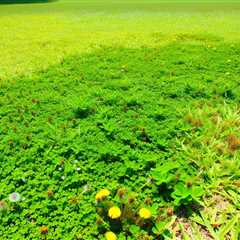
(115, 117)
(153, 223)
(24, 1)
(175, 183)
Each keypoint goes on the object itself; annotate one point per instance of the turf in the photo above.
(34, 36)
(137, 95)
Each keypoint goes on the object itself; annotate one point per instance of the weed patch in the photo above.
(117, 118)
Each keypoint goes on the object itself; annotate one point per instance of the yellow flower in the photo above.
(103, 193)
(114, 212)
(145, 213)
(110, 236)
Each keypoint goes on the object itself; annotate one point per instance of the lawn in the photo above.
(120, 120)
(34, 36)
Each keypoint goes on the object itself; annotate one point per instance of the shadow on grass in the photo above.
(25, 1)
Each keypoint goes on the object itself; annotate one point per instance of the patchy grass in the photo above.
(213, 148)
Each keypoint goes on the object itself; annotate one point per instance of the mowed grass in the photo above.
(34, 36)
(141, 96)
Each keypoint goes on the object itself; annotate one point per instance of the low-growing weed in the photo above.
(160, 122)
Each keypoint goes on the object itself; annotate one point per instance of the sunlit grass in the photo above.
(34, 36)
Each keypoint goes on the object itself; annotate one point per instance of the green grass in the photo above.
(133, 95)
(34, 36)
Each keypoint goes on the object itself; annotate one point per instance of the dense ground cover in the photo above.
(107, 119)
(119, 103)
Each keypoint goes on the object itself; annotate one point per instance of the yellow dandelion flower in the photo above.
(103, 193)
(110, 236)
(114, 212)
(145, 213)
